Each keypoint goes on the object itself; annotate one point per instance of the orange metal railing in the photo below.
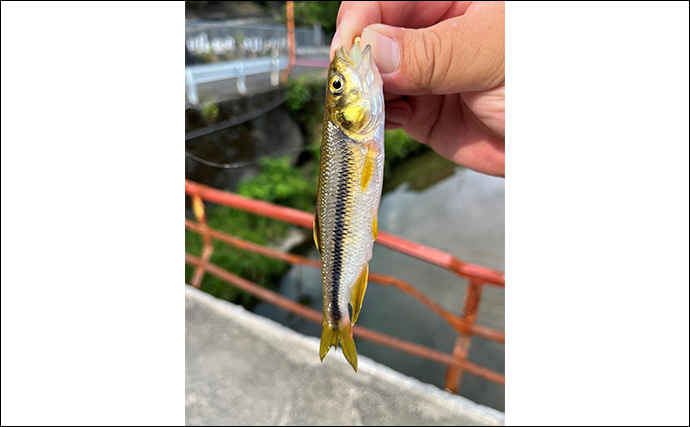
(292, 47)
(464, 325)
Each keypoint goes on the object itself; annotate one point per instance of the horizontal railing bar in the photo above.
(233, 69)
(364, 333)
(232, 65)
(305, 219)
(454, 321)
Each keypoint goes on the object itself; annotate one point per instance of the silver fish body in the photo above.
(349, 192)
(347, 215)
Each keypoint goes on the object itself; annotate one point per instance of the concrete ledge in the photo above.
(243, 369)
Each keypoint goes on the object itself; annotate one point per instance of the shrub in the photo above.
(400, 146)
(278, 182)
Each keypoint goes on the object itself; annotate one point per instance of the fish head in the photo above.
(354, 98)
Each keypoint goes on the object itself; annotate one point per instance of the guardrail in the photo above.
(240, 69)
(464, 325)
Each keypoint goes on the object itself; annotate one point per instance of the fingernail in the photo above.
(384, 50)
(398, 113)
(335, 43)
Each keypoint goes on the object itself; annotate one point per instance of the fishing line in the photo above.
(234, 121)
(249, 162)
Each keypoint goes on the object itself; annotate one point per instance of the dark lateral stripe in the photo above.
(340, 230)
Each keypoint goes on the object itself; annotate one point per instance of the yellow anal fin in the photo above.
(375, 228)
(330, 336)
(358, 292)
(369, 165)
(317, 231)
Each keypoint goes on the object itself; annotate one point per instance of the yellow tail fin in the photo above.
(330, 336)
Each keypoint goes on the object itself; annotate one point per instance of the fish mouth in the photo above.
(356, 54)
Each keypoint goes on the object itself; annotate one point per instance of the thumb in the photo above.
(463, 54)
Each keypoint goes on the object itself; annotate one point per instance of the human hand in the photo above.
(443, 70)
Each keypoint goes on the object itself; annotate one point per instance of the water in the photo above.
(430, 201)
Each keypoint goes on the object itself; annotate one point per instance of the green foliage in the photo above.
(232, 9)
(308, 13)
(305, 98)
(259, 269)
(296, 94)
(239, 38)
(282, 184)
(400, 146)
(305, 90)
(210, 111)
(206, 57)
(278, 182)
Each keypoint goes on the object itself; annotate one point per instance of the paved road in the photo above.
(243, 369)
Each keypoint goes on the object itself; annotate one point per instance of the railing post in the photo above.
(242, 79)
(192, 95)
(317, 34)
(462, 343)
(198, 208)
(275, 68)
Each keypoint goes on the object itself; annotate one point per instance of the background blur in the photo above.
(239, 113)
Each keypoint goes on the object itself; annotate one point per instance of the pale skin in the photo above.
(443, 70)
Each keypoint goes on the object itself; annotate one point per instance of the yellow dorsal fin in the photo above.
(358, 292)
(375, 228)
(369, 165)
(317, 231)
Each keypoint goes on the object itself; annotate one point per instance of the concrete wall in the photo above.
(243, 369)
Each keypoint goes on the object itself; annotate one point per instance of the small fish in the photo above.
(350, 180)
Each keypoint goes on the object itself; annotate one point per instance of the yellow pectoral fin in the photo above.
(375, 228)
(317, 231)
(369, 165)
(358, 292)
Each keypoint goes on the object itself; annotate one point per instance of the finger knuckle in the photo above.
(428, 64)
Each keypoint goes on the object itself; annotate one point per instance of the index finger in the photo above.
(355, 16)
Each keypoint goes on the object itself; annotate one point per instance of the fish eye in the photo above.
(336, 84)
